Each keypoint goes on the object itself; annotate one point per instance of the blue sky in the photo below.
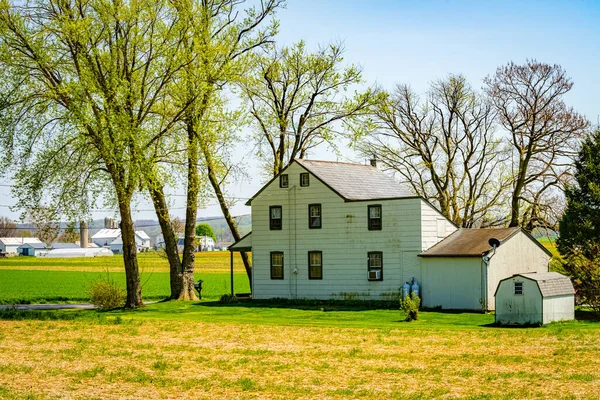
(417, 42)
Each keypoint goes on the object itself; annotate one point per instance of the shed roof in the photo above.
(16, 241)
(466, 242)
(64, 246)
(352, 182)
(36, 245)
(551, 283)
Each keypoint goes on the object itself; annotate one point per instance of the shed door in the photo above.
(25, 251)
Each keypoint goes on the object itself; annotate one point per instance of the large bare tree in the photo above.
(444, 147)
(544, 134)
(8, 227)
(299, 100)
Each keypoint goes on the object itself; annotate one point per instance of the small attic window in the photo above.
(518, 288)
(304, 179)
(284, 181)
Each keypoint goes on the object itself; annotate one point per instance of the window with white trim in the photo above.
(276, 265)
(375, 217)
(275, 218)
(375, 265)
(315, 265)
(314, 216)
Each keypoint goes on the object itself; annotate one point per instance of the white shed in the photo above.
(533, 298)
(32, 249)
(10, 245)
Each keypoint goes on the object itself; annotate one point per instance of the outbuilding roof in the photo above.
(107, 234)
(36, 245)
(550, 283)
(16, 241)
(466, 242)
(352, 182)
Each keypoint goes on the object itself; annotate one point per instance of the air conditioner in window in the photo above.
(374, 274)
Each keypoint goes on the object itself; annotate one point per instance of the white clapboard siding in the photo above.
(344, 240)
(516, 256)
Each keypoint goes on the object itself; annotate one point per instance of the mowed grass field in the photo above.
(204, 350)
(259, 350)
(48, 280)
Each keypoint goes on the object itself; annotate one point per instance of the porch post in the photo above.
(231, 264)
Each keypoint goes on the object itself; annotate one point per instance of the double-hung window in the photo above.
(275, 218)
(304, 179)
(284, 181)
(375, 217)
(314, 216)
(375, 265)
(315, 265)
(276, 265)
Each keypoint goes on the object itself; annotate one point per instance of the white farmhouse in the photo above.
(348, 231)
(535, 299)
(10, 245)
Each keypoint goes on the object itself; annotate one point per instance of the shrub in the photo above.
(410, 307)
(105, 293)
(228, 299)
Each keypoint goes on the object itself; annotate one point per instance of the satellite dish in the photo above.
(494, 242)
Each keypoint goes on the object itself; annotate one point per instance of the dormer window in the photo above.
(304, 179)
(284, 181)
(275, 218)
(374, 215)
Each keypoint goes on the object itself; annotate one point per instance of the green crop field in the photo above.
(44, 280)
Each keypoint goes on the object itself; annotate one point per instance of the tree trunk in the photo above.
(132, 273)
(189, 245)
(212, 177)
(162, 213)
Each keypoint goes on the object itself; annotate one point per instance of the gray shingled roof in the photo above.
(356, 181)
(551, 283)
(469, 242)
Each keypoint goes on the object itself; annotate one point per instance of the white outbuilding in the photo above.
(463, 270)
(81, 252)
(535, 298)
(10, 245)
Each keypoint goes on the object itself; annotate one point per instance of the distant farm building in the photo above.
(534, 298)
(79, 252)
(111, 238)
(10, 245)
(39, 249)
